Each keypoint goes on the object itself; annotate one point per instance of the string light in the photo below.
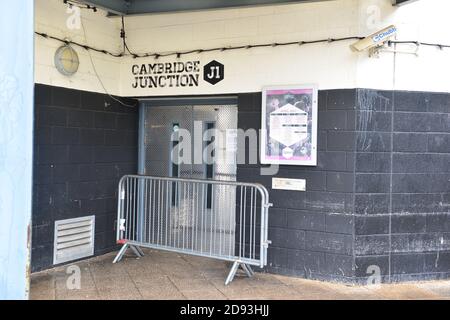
(178, 54)
(72, 3)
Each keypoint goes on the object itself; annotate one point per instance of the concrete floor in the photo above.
(163, 275)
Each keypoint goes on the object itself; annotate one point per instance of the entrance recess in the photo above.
(186, 198)
(160, 134)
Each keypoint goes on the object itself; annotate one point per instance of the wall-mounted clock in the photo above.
(66, 60)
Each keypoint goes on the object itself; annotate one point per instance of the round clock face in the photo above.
(66, 60)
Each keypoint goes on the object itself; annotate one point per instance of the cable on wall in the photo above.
(179, 54)
(71, 3)
(98, 76)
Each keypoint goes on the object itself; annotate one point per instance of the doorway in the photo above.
(194, 141)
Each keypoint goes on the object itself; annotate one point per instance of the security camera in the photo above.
(375, 40)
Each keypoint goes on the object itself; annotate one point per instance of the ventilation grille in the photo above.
(74, 239)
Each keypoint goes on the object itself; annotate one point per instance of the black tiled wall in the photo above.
(402, 212)
(312, 231)
(84, 143)
(379, 195)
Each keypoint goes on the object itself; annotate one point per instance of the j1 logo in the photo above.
(213, 72)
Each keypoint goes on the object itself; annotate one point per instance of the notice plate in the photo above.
(289, 184)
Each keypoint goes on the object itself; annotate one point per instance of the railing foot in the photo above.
(121, 253)
(232, 272)
(140, 251)
(137, 251)
(248, 270)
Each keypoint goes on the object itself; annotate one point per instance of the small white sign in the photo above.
(289, 184)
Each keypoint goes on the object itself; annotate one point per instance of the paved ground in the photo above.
(163, 275)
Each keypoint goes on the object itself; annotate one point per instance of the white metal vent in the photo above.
(74, 239)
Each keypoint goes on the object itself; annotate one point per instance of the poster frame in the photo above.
(264, 126)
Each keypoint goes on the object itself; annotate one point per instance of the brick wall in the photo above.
(84, 143)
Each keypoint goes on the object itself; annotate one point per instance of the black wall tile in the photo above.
(340, 182)
(67, 183)
(43, 95)
(65, 97)
(420, 183)
(340, 141)
(375, 100)
(65, 136)
(338, 265)
(306, 261)
(420, 242)
(277, 218)
(421, 163)
(127, 122)
(374, 121)
(277, 257)
(80, 118)
(439, 143)
(373, 162)
(373, 141)
(417, 203)
(372, 183)
(421, 122)
(92, 137)
(305, 220)
(53, 154)
(339, 223)
(332, 120)
(104, 120)
(51, 116)
(329, 242)
(410, 142)
(341, 99)
(439, 222)
(437, 262)
(371, 225)
(65, 173)
(408, 263)
(372, 245)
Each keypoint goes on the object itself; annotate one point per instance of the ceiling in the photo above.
(131, 7)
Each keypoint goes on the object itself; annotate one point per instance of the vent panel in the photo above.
(74, 239)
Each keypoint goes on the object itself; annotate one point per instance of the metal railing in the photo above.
(217, 219)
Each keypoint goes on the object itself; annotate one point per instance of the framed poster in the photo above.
(289, 125)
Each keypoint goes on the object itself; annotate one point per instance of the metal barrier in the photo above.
(209, 218)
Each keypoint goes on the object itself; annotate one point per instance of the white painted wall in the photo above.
(425, 21)
(329, 65)
(51, 17)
